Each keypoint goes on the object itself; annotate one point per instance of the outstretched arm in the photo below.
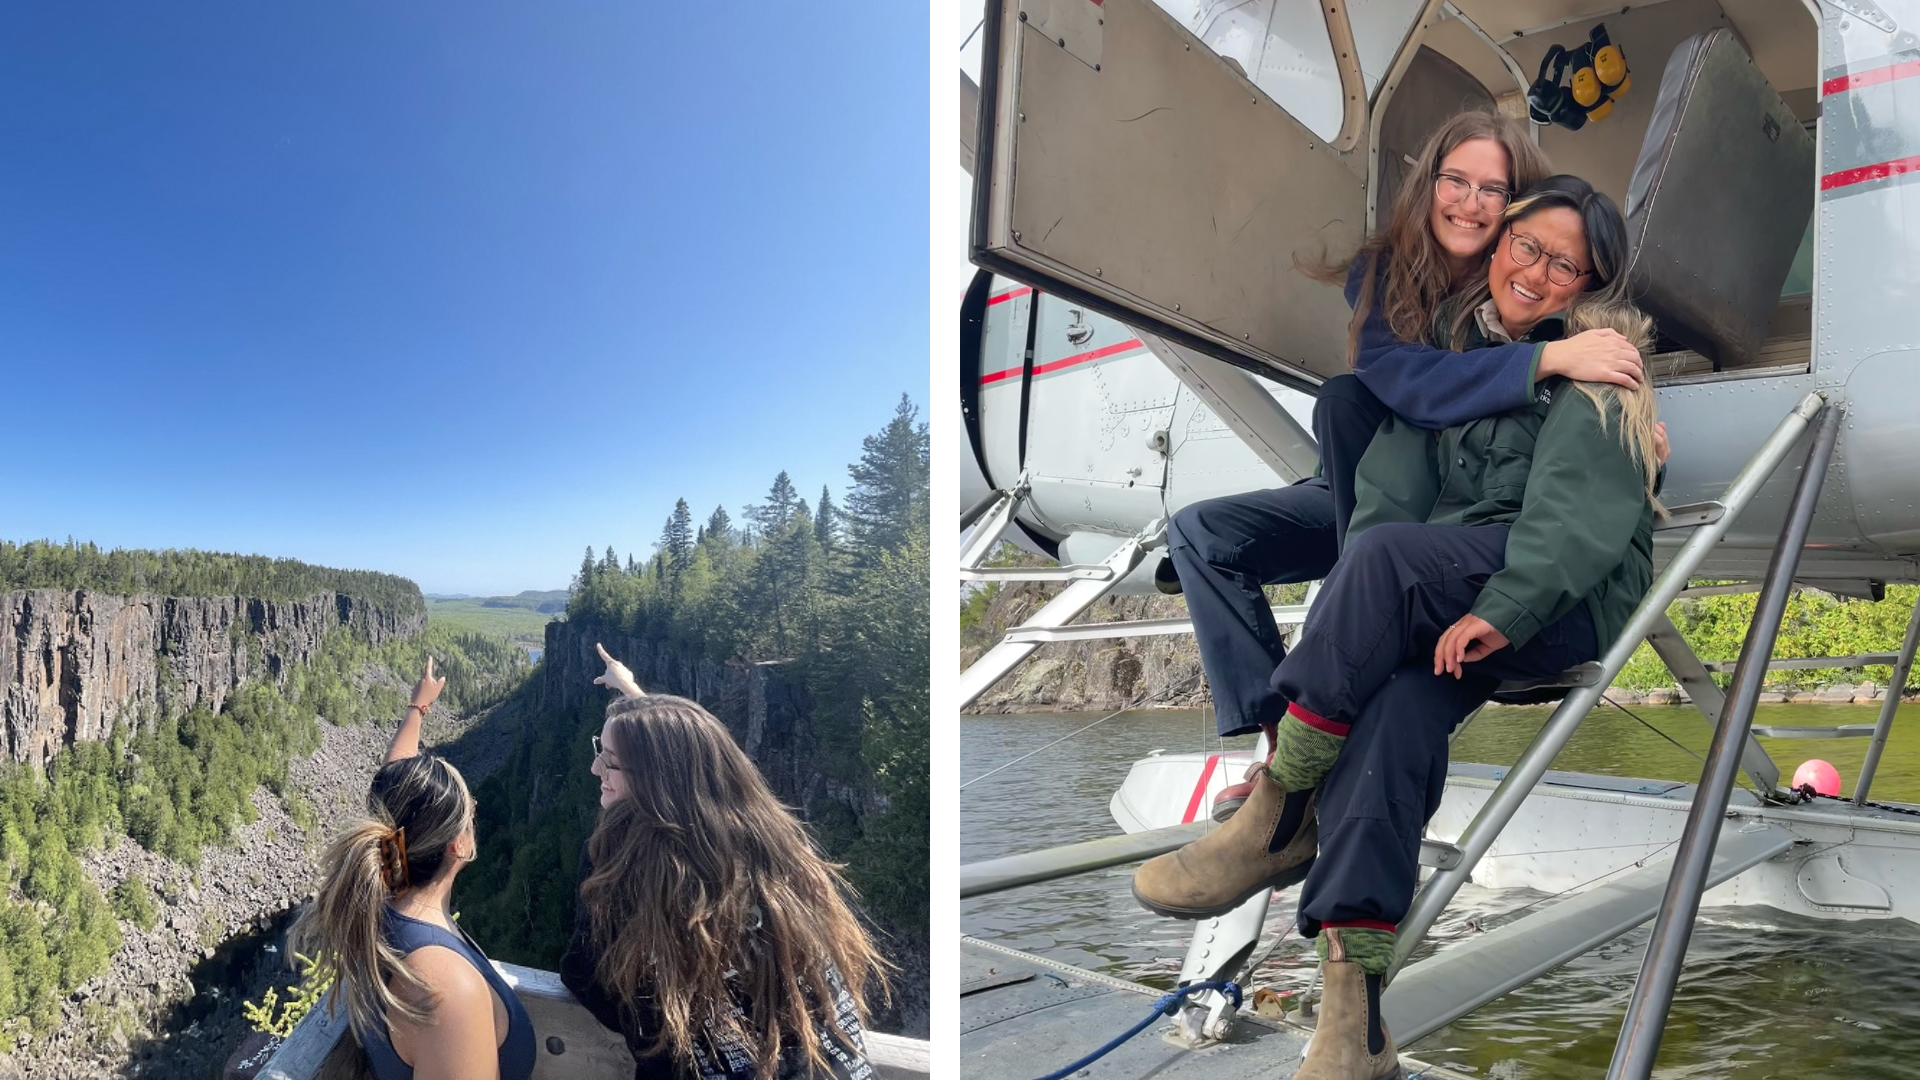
(406, 741)
(617, 677)
(1437, 388)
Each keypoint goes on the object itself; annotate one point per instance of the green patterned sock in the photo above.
(1371, 949)
(1307, 748)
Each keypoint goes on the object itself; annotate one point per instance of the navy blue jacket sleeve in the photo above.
(1434, 388)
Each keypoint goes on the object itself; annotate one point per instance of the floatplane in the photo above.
(1144, 171)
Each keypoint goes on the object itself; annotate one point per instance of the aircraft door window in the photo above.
(1282, 48)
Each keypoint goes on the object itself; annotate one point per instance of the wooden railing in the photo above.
(569, 1042)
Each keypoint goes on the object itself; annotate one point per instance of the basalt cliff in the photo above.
(75, 662)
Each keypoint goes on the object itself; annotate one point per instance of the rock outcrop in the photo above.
(75, 662)
(1157, 671)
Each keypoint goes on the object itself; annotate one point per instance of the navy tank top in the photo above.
(406, 934)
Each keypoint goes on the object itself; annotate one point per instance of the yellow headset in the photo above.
(1600, 77)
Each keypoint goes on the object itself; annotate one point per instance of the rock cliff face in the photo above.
(771, 716)
(768, 715)
(72, 663)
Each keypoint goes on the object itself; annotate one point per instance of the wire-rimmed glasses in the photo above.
(1525, 251)
(1453, 189)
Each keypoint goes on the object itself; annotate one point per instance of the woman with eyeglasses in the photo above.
(1513, 546)
(1437, 242)
(423, 1001)
(710, 932)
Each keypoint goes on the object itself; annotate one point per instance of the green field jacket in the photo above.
(1580, 523)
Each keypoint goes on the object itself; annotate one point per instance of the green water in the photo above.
(1764, 994)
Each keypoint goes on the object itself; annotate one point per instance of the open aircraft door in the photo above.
(1132, 164)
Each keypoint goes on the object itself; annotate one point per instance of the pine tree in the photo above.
(585, 581)
(889, 493)
(611, 563)
(826, 521)
(720, 526)
(679, 538)
(770, 517)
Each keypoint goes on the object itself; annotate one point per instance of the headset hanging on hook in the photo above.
(1600, 77)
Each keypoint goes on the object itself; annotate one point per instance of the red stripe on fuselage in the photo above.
(1854, 80)
(1010, 294)
(1200, 789)
(1878, 171)
(1065, 362)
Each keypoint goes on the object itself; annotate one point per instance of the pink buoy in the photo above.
(1822, 777)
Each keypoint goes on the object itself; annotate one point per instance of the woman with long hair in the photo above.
(1435, 242)
(710, 931)
(421, 998)
(1508, 547)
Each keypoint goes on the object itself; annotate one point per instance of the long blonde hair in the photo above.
(416, 808)
(1417, 277)
(1638, 409)
(699, 872)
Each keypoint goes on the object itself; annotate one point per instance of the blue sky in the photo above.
(449, 290)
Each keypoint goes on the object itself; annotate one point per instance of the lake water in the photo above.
(1764, 994)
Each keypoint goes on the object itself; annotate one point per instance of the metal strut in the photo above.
(1895, 687)
(1646, 1019)
(1506, 799)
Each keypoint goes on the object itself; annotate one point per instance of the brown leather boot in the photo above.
(1269, 844)
(1352, 1041)
(1234, 796)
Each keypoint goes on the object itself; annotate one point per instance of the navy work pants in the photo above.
(1225, 549)
(1366, 660)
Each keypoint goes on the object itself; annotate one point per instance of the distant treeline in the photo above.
(1815, 624)
(178, 783)
(42, 564)
(840, 592)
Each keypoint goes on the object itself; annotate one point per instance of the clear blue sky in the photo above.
(449, 290)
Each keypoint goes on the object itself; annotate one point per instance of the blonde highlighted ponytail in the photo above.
(1637, 408)
(377, 857)
(341, 929)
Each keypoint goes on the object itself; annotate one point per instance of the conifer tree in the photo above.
(782, 502)
(826, 520)
(678, 540)
(889, 493)
(720, 526)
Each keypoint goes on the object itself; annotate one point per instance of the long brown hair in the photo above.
(416, 808)
(699, 872)
(1417, 278)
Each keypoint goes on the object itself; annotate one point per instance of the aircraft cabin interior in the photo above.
(1132, 171)
(1780, 41)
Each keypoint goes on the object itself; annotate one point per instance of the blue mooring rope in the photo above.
(1161, 1008)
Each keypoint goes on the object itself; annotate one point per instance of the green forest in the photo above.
(1816, 623)
(42, 564)
(838, 593)
(178, 783)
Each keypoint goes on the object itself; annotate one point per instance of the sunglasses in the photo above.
(600, 753)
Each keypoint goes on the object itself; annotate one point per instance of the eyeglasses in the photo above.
(1526, 251)
(600, 753)
(1452, 189)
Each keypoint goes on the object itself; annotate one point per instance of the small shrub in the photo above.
(133, 901)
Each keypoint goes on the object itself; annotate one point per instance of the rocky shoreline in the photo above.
(1164, 672)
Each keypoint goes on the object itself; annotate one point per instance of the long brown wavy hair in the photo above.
(700, 873)
(1417, 278)
(416, 808)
